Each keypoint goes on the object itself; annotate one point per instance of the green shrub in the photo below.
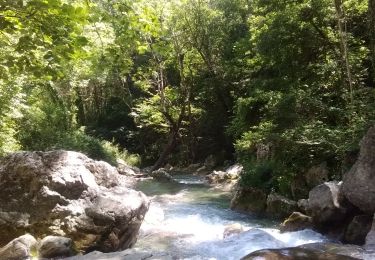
(94, 148)
(267, 175)
(257, 175)
(50, 125)
(116, 152)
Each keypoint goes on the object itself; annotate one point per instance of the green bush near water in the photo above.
(95, 148)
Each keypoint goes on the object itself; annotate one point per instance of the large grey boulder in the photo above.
(279, 206)
(359, 182)
(22, 247)
(67, 194)
(326, 203)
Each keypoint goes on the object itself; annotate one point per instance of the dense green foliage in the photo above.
(278, 85)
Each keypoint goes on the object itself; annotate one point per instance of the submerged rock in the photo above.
(22, 247)
(359, 183)
(294, 253)
(67, 194)
(279, 206)
(249, 200)
(295, 222)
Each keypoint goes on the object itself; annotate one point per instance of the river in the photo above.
(188, 218)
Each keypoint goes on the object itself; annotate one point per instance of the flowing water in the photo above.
(188, 219)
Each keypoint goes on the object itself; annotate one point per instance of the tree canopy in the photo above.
(279, 86)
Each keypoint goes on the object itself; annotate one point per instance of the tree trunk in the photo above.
(344, 46)
(172, 141)
(371, 15)
(175, 125)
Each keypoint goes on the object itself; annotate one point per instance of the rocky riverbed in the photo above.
(74, 207)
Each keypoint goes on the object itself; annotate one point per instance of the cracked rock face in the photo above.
(67, 194)
(359, 182)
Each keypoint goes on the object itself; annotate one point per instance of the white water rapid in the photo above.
(188, 219)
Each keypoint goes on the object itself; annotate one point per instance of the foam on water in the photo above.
(191, 223)
(191, 179)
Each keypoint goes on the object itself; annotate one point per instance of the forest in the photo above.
(277, 85)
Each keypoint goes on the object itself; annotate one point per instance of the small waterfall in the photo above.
(188, 219)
